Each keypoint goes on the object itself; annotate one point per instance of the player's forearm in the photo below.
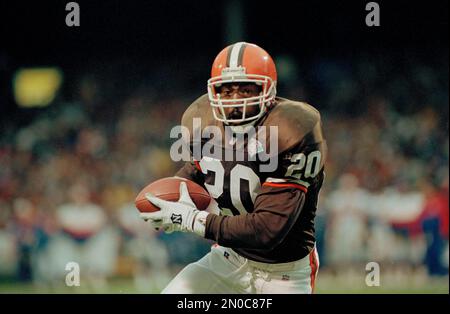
(241, 232)
(264, 229)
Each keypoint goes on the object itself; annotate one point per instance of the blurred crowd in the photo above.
(69, 177)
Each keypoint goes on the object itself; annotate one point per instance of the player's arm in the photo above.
(277, 206)
(276, 211)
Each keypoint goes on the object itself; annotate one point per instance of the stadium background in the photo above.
(70, 169)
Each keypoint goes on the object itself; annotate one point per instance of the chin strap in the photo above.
(242, 129)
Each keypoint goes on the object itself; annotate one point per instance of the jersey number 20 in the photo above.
(238, 173)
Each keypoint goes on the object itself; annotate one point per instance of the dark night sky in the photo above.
(34, 31)
(178, 33)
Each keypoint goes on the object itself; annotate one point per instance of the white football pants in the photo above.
(224, 271)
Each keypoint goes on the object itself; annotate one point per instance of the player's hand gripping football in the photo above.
(176, 216)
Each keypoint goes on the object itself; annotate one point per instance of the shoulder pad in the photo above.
(200, 108)
(296, 121)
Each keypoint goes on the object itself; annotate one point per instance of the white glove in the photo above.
(177, 216)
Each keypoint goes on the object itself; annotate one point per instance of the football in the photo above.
(169, 189)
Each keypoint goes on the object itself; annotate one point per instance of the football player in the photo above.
(264, 232)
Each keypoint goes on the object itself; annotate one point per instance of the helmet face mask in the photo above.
(263, 100)
(242, 63)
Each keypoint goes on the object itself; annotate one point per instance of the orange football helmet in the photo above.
(242, 62)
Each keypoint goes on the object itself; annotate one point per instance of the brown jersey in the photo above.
(265, 216)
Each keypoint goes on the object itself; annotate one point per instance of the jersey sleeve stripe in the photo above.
(287, 180)
(286, 185)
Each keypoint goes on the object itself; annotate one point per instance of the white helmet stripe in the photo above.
(235, 53)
